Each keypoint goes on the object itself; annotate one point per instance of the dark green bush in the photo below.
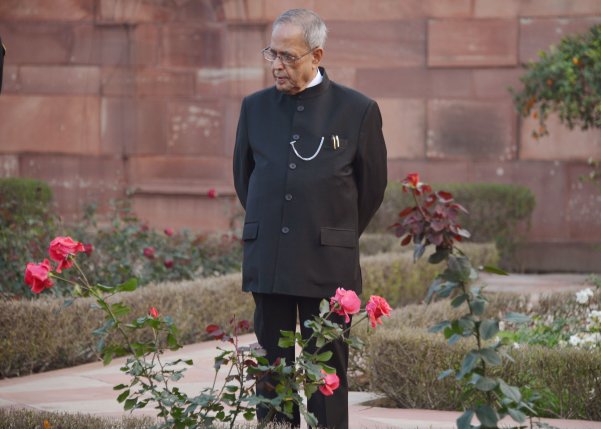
(118, 248)
(404, 364)
(496, 212)
(27, 224)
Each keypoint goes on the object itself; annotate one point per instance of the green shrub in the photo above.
(118, 250)
(395, 277)
(42, 335)
(496, 212)
(404, 364)
(27, 224)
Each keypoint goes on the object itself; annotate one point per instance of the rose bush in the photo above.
(151, 377)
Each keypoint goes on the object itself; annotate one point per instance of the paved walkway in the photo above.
(89, 388)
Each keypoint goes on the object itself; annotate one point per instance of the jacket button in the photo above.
(295, 137)
(292, 166)
(300, 108)
(288, 197)
(285, 230)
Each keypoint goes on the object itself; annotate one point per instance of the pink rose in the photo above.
(168, 232)
(331, 383)
(153, 312)
(62, 249)
(37, 276)
(149, 252)
(376, 308)
(212, 193)
(345, 302)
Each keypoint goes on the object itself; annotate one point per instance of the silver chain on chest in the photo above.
(302, 157)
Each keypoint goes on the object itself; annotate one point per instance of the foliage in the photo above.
(433, 221)
(57, 338)
(498, 212)
(152, 379)
(566, 80)
(125, 248)
(48, 336)
(404, 361)
(26, 221)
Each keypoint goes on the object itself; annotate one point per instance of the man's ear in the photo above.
(317, 56)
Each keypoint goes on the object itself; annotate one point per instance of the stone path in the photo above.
(88, 388)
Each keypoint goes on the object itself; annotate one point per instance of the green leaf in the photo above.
(105, 288)
(324, 357)
(459, 299)
(172, 343)
(478, 306)
(510, 392)
(494, 270)
(469, 362)
(324, 307)
(439, 327)
(517, 318)
(487, 416)
(460, 268)
(445, 374)
(129, 404)
(119, 309)
(129, 286)
(516, 415)
(464, 420)
(123, 396)
(249, 415)
(120, 386)
(490, 356)
(107, 357)
(489, 328)
(418, 251)
(438, 256)
(485, 384)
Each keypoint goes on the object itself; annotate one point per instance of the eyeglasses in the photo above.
(286, 59)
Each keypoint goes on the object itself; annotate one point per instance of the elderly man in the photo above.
(310, 171)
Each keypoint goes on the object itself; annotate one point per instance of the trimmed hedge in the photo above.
(41, 335)
(497, 211)
(397, 278)
(404, 364)
(11, 418)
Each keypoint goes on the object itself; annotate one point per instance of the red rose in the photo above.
(168, 263)
(62, 249)
(88, 248)
(153, 312)
(149, 252)
(212, 193)
(412, 179)
(345, 302)
(376, 308)
(37, 276)
(168, 232)
(331, 383)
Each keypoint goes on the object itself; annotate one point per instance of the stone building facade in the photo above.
(107, 97)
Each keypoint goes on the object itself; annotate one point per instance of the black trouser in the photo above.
(279, 312)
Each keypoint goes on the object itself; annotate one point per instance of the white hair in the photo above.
(314, 29)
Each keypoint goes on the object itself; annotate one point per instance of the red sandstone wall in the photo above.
(104, 96)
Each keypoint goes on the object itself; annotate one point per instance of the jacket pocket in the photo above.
(250, 231)
(338, 237)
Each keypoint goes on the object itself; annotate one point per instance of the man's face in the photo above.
(294, 78)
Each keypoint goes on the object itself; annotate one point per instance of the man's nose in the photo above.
(277, 64)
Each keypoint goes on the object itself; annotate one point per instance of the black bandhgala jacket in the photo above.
(304, 217)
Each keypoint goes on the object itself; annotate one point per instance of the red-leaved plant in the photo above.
(433, 221)
(151, 377)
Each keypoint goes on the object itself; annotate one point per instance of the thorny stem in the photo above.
(94, 292)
